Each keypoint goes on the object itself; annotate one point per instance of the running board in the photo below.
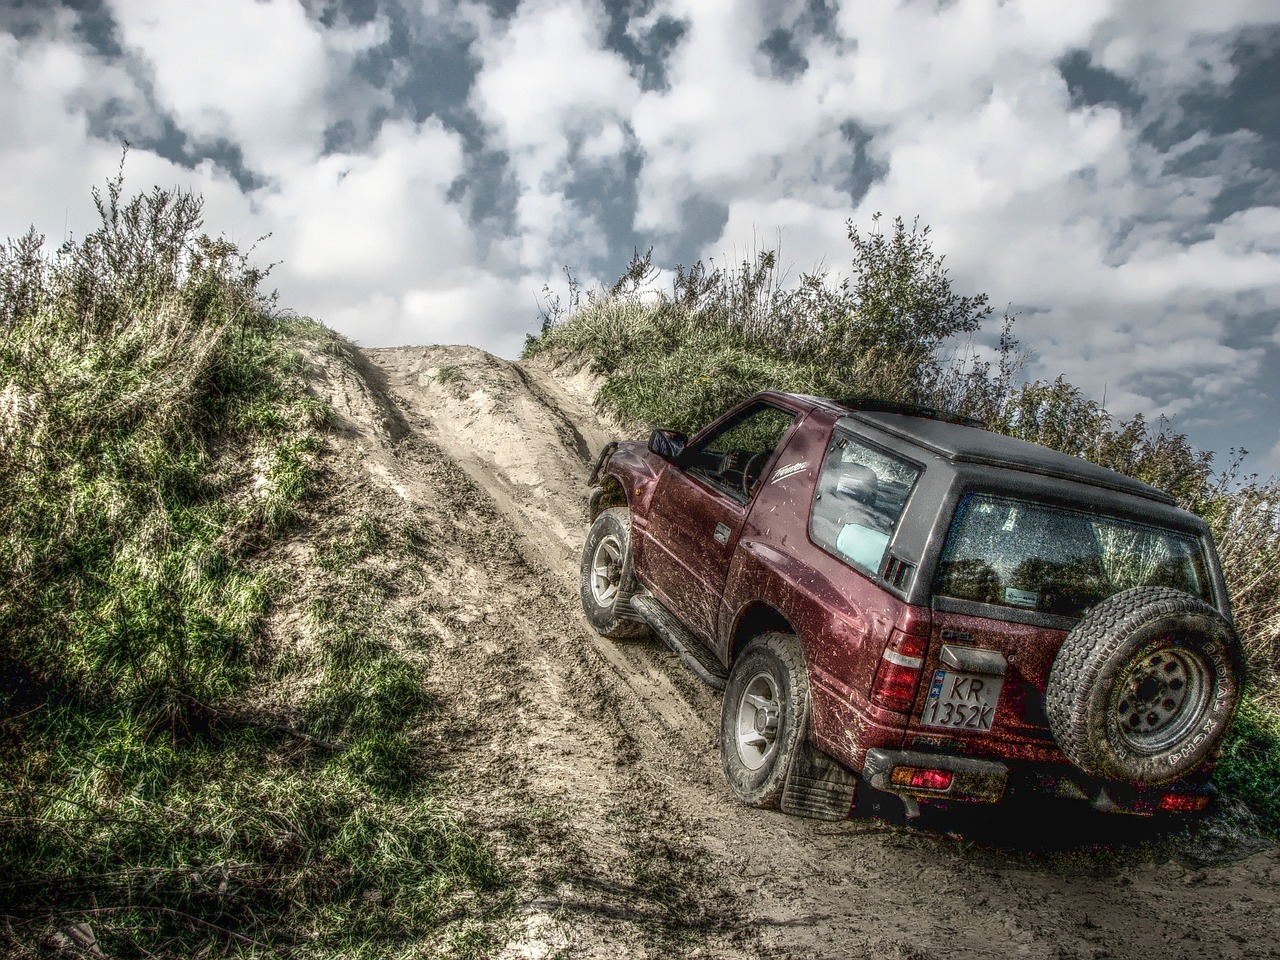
(684, 644)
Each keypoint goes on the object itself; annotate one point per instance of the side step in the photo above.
(685, 645)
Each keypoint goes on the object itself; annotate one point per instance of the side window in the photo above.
(734, 457)
(860, 498)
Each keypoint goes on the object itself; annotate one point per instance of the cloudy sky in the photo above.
(1109, 169)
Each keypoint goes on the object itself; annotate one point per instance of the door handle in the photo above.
(974, 660)
(722, 534)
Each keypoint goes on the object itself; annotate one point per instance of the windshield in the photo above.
(1034, 556)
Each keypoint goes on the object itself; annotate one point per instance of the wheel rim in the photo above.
(1162, 696)
(759, 716)
(606, 571)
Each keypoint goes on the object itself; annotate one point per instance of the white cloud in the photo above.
(1103, 235)
(1270, 462)
(913, 62)
(44, 147)
(257, 73)
(51, 157)
(546, 75)
(725, 129)
(547, 87)
(1165, 48)
(377, 216)
(248, 72)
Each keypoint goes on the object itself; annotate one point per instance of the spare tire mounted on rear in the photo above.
(1145, 686)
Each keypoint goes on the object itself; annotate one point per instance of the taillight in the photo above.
(1183, 802)
(922, 778)
(898, 674)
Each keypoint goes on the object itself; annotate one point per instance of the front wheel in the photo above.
(607, 580)
(765, 712)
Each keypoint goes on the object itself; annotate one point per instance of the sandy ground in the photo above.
(594, 764)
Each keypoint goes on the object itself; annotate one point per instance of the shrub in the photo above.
(156, 434)
(129, 363)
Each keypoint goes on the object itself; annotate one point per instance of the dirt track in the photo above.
(596, 763)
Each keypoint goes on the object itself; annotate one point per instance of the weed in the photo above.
(1251, 760)
(452, 378)
(155, 435)
(366, 538)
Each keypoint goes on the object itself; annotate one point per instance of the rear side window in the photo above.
(860, 498)
(1034, 556)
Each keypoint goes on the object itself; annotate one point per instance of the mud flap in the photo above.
(605, 453)
(817, 786)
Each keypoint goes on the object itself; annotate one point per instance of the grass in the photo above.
(1251, 759)
(453, 379)
(895, 330)
(156, 440)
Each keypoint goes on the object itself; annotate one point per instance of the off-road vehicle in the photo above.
(899, 597)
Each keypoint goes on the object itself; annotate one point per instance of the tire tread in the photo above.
(1091, 649)
(767, 793)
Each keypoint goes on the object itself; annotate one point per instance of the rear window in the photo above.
(1033, 556)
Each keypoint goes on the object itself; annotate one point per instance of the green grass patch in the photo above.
(174, 851)
(1250, 766)
(453, 379)
(374, 695)
(156, 435)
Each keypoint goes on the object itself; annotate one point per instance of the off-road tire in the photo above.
(607, 577)
(1145, 686)
(756, 750)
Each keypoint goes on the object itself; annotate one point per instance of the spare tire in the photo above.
(1145, 686)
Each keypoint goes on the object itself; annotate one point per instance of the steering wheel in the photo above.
(756, 459)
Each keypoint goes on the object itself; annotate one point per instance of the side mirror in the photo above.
(667, 444)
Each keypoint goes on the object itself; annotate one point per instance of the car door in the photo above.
(698, 510)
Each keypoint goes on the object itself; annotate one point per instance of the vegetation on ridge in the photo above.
(156, 440)
(895, 329)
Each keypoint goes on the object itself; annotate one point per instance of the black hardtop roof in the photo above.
(938, 432)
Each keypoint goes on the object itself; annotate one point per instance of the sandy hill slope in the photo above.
(594, 764)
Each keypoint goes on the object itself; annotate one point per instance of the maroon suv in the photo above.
(897, 596)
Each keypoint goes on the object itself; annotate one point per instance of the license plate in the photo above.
(961, 701)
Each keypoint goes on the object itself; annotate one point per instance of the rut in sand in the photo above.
(598, 761)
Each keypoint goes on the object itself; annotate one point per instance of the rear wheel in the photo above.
(764, 715)
(607, 578)
(1145, 686)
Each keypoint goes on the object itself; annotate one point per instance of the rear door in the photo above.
(698, 509)
(1014, 577)
(983, 683)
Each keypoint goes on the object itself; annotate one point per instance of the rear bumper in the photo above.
(973, 781)
(976, 780)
